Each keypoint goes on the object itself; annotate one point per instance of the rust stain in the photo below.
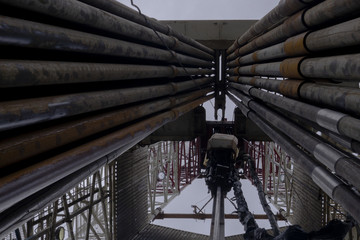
(296, 46)
(254, 56)
(290, 68)
(253, 69)
(253, 81)
(290, 88)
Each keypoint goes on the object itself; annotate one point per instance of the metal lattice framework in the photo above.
(85, 212)
(172, 166)
(275, 170)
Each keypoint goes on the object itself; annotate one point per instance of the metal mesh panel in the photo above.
(307, 203)
(131, 193)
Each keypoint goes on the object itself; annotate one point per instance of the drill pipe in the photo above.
(80, 13)
(22, 33)
(26, 145)
(326, 118)
(284, 9)
(20, 73)
(342, 98)
(342, 67)
(217, 231)
(123, 11)
(343, 143)
(19, 185)
(344, 166)
(24, 112)
(332, 186)
(322, 13)
(337, 36)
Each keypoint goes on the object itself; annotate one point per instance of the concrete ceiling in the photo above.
(212, 33)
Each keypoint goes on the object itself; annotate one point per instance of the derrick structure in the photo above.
(88, 88)
(275, 170)
(173, 166)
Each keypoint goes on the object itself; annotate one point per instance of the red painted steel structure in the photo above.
(188, 164)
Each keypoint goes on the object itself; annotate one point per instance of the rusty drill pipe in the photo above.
(123, 11)
(330, 184)
(89, 16)
(22, 33)
(32, 179)
(345, 34)
(286, 87)
(342, 67)
(324, 12)
(19, 113)
(291, 26)
(342, 98)
(337, 36)
(284, 9)
(20, 73)
(344, 166)
(326, 118)
(266, 69)
(23, 146)
(330, 10)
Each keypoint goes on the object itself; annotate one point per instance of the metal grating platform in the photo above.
(155, 232)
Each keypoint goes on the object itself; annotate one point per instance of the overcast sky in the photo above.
(204, 9)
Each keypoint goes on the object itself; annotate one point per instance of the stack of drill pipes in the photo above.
(20, 147)
(39, 73)
(114, 7)
(334, 121)
(28, 34)
(349, 100)
(329, 183)
(342, 35)
(19, 185)
(86, 15)
(314, 17)
(344, 68)
(342, 98)
(343, 165)
(24, 112)
(341, 142)
(284, 9)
